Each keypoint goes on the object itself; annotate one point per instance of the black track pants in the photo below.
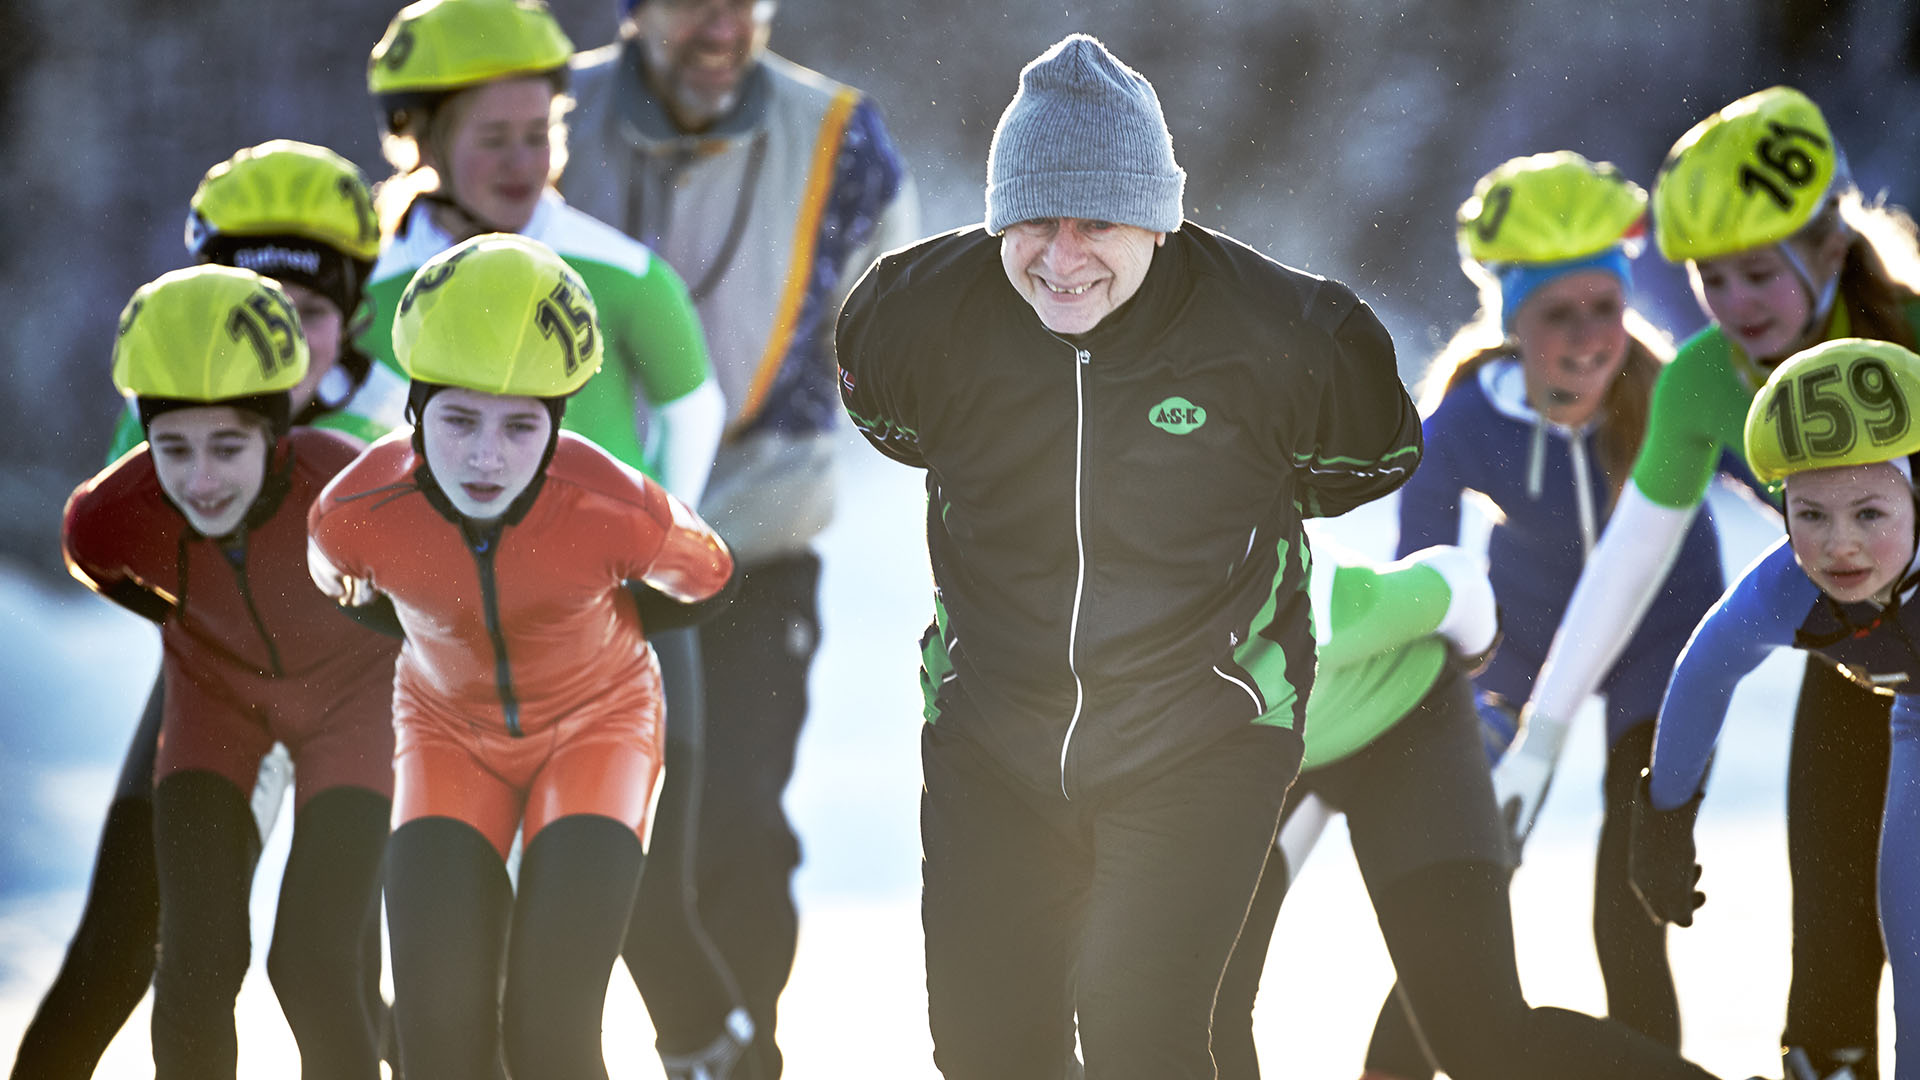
(1836, 790)
(687, 985)
(1119, 911)
(755, 656)
(486, 982)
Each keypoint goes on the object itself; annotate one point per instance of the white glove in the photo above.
(1472, 621)
(1521, 779)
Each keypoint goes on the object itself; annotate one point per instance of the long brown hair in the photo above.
(1881, 274)
(1624, 413)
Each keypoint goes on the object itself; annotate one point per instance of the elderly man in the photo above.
(769, 187)
(1123, 421)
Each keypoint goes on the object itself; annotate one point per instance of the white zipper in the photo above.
(1582, 488)
(1582, 492)
(1081, 359)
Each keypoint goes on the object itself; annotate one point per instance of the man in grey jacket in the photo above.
(769, 187)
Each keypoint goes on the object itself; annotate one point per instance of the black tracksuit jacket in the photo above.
(1114, 519)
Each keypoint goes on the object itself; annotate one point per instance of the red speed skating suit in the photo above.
(251, 651)
(526, 685)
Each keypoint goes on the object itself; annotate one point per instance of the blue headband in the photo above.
(1518, 280)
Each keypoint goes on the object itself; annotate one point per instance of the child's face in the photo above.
(211, 461)
(484, 448)
(1852, 529)
(1756, 298)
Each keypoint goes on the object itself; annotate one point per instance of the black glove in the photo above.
(1660, 858)
(377, 615)
(140, 600)
(658, 611)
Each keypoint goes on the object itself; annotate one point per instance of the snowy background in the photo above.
(76, 671)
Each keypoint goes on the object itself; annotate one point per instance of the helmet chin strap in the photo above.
(1822, 297)
(475, 223)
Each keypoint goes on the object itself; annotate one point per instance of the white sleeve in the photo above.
(1619, 583)
(1473, 616)
(682, 438)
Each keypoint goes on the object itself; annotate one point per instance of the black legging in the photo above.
(1836, 787)
(487, 983)
(1449, 930)
(109, 963)
(206, 844)
(1448, 924)
(1631, 947)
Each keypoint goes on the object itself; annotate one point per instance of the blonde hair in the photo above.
(421, 146)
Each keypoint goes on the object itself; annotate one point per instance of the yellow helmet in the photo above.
(1750, 175)
(292, 211)
(501, 314)
(434, 47)
(1550, 208)
(208, 334)
(1849, 401)
(286, 188)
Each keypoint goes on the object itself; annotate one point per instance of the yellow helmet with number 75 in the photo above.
(1849, 401)
(209, 335)
(499, 313)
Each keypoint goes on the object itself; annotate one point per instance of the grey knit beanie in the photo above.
(1083, 138)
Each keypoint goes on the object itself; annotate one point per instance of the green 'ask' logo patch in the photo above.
(1177, 415)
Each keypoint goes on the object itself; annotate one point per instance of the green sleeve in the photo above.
(1378, 611)
(651, 328)
(654, 353)
(1699, 407)
(1379, 658)
(127, 434)
(383, 299)
(360, 427)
